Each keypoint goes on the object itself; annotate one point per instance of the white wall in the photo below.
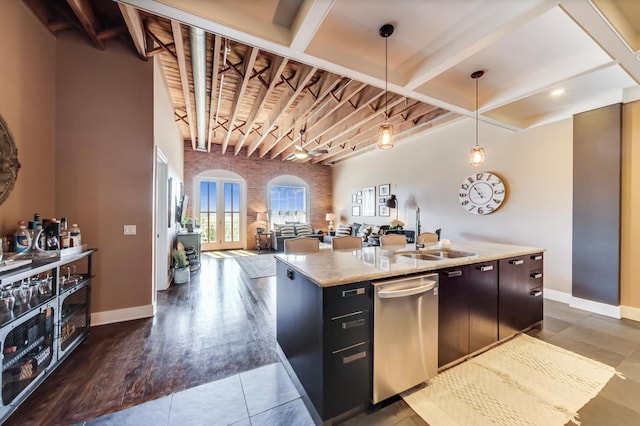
(168, 140)
(428, 169)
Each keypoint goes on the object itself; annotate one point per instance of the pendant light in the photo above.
(477, 154)
(386, 133)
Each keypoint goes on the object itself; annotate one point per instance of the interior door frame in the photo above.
(160, 242)
(220, 177)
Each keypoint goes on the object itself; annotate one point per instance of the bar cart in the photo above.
(45, 313)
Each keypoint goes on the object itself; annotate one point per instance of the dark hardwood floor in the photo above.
(220, 324)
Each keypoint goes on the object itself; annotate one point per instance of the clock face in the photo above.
(481, 193)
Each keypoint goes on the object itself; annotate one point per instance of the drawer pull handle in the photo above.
(516, 262)
(485, 268)
(452, 274)
(290, 274)
(354, 357)
(536, 275)
(354, 292)
(536, 292)
(351, 324)
(537, 257)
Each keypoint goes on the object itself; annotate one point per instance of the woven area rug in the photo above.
(259, 266)
(524, 381)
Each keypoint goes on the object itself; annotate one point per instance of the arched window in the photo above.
(288, 201)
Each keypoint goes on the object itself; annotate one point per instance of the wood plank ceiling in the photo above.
(257, 104)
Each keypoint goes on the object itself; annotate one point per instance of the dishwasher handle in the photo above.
(390, 294)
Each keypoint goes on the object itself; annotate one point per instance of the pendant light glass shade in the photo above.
(477, 155)
(386, 133)
(386, 136)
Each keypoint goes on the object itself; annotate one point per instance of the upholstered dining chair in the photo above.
(393, 240)
(346, 242)
(301, 245)
(427, 239)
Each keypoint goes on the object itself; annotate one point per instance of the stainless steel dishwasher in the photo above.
(405, 334)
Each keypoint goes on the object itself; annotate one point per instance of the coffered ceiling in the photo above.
(268, 69)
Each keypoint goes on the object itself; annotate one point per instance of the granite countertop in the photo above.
(335, 267)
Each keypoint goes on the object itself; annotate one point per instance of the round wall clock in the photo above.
(482, 193)
(8, 161)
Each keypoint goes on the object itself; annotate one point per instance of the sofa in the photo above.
(370, 234)
(361, 230)
(292, 230)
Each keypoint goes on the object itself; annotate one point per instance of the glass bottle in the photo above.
(65, 240)
(22, 238)
(75, 236)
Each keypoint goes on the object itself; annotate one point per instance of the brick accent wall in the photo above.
(258, 172)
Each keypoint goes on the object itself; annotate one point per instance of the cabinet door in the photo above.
(453, 315)
(520, 293)
(348, 379)
(483, 305)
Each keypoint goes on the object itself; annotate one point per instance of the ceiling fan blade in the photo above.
(290, 157)
(318, 151)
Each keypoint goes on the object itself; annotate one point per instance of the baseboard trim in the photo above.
(119, 315)
(596, 307)
(558, 296)
(630, 313)
(587, 305)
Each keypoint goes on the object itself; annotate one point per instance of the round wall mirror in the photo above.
(9, 165)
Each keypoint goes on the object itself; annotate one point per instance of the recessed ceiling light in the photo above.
(557, 92)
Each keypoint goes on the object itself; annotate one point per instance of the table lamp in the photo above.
(261, 219)
(330, 217)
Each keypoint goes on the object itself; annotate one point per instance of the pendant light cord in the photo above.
(477, 111)
(386, 78)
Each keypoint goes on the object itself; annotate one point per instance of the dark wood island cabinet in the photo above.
(325, 322)
(325, 334)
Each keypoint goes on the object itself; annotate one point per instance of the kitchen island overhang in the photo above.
(329, 268)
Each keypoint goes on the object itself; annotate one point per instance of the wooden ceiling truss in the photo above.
(256, 102)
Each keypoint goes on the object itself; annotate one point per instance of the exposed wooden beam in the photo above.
(184, 79)
(164, 46)
(56, 26)
(304, 109)
(38, 8)
(111, 33)
(356, 106)
(84, 13)
(213, 104)
(303, 75)
(136, 28)
(238, 96)
(277, 66)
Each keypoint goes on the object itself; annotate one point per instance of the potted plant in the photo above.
(181, 273)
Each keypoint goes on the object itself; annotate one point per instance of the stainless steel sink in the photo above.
(436, 254)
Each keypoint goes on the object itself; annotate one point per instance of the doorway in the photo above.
(161, 240)
(221, 210)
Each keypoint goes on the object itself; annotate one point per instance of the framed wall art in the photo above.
(383, 210)
(369, 201)
(355, 211)
(384, 189)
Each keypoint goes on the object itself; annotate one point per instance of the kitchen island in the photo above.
(325, 312)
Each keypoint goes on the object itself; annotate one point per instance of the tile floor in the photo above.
(263, 396)
(266, 396)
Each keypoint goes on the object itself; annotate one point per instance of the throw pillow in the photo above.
(364, 231)
(343, 230)
(287, 230)
(355, 228)
(303, 229)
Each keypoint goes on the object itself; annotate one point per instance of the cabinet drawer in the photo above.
(349, 378)
(345, 299)
(347, 330)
